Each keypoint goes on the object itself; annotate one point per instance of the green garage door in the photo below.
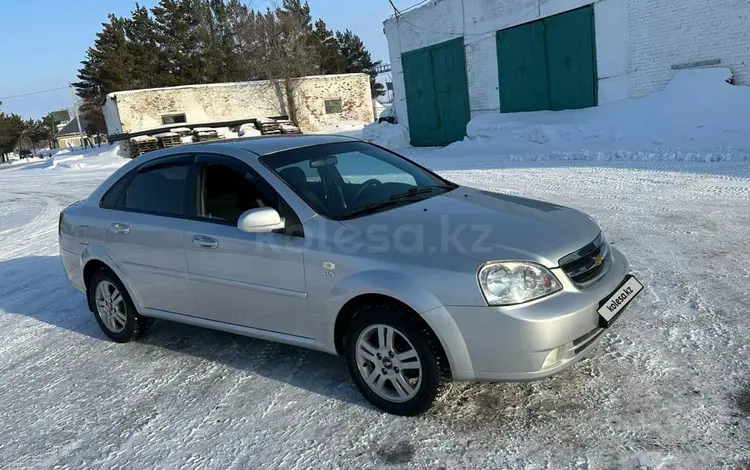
(522, 68)
(437, 94)
(548, 64)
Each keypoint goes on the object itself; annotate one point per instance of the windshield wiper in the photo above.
(420, 190)
(408, 196)
(369, 209)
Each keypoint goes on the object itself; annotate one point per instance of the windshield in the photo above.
(352, 179)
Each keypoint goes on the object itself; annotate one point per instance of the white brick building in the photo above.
(635, 47)
(321, 101)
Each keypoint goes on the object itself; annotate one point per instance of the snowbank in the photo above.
(392, 136)
(226, 133)
(249, 130)
(697, 112)
(105, 157)
(351, 128)
(14, 160)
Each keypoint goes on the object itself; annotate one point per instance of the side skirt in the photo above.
(236, 329)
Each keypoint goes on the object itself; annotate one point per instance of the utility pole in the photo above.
(75, 110)
(53, 130)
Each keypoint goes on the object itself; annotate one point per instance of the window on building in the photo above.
(333, 106)
(173, 118)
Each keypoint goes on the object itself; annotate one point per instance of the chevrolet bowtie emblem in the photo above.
(598, 260)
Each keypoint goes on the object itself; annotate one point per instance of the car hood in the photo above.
(482, 225)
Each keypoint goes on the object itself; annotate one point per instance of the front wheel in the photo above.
(392, 360)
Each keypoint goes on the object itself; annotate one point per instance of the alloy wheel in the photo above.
(110, 306)
(389, 363)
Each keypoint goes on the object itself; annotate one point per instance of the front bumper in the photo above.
(511, 343)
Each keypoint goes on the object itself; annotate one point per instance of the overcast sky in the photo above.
(42, 42)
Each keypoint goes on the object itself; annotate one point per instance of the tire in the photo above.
(422, 375)
(125, 324)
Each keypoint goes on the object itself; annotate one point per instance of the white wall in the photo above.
(477, 21)
(663, 33)
(139, 110)
(637, 41)
(111, 116)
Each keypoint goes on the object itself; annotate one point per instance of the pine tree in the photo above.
(143, 47)
(107, 68)
(177, 24)
(358, 59)
(50, 123)
(11, 130)
(331, 59)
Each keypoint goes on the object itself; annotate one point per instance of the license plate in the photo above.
(616, 303)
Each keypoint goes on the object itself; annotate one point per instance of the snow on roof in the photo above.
(143, 138)
(71, 127)
(225, 84)
(412, 9)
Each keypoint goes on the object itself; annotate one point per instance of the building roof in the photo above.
(71, 128)
(271, 144)
(115, 94)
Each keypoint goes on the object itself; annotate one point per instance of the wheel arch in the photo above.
(91, 267)
(350, 308)
(96, 258)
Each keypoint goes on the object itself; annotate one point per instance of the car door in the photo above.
(250, 279)
(145, 235)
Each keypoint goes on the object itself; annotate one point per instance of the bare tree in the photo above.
(282, 49)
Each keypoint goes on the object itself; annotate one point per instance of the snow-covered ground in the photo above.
(351, 128)
(668, 387)
(698, 116)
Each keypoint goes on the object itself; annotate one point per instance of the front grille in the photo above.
(587, 265)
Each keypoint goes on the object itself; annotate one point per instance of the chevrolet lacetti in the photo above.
(335, 244)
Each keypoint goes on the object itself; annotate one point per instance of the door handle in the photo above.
(202, 241)
(120, 229)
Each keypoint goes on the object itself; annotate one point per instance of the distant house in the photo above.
(321, 101)
(68, 135)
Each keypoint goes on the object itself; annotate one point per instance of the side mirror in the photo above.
(260, 220)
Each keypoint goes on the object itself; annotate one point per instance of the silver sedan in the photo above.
(334, 244)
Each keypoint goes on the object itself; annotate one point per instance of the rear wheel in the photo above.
(113, 308)
(392, 360)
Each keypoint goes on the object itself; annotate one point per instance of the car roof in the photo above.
(271, 144)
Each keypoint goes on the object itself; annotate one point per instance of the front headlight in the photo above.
(515, 282)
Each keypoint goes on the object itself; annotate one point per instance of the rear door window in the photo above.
(158, 190)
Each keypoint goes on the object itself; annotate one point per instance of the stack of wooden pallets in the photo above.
(288, 127)
(143, 144)
(268, 126)
(205, 134)
(168, 139)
